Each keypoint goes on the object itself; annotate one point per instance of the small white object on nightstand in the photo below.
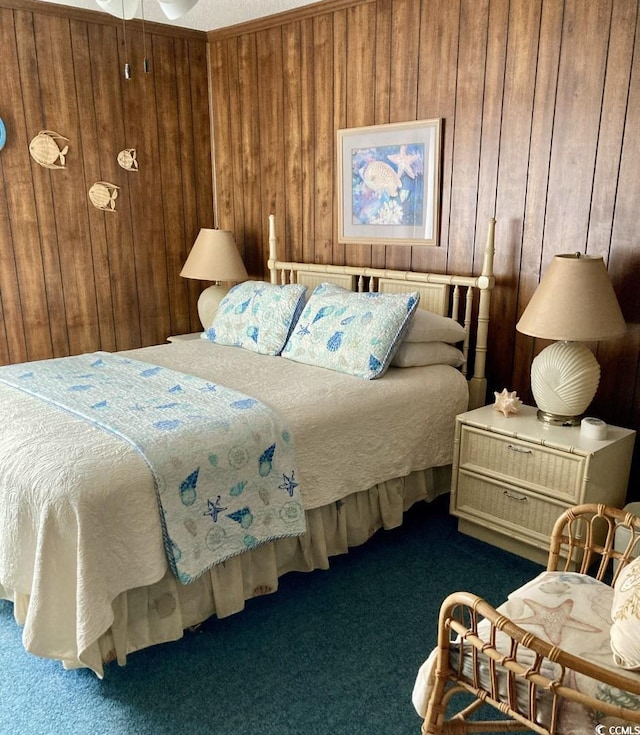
(591, 428)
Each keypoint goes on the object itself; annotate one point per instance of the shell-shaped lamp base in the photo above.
(208, 303)
(564, 380)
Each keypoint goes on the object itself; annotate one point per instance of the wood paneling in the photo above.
(540, 101)
(75, 279)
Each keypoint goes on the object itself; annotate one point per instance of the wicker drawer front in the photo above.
(516, 511)
(532, 466)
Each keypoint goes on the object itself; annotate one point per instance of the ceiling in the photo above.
(207, 15)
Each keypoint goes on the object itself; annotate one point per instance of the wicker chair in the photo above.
(516, 679)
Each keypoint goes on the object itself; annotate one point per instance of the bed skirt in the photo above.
(161, 612)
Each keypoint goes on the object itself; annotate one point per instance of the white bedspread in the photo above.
(216, 497)
(78, 515)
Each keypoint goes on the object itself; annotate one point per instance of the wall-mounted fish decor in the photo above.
(103, 196)
(128, 160)
(45, 149)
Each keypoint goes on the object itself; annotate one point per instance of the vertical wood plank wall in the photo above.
(73, 278)
(540, 101)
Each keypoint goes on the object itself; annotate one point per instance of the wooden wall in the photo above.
(73, 278)
(540, 101)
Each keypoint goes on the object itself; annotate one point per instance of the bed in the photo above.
(85, 557)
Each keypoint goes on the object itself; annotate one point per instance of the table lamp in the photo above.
(574, 303)
(213, 257)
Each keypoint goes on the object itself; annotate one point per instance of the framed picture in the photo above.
(389, 183)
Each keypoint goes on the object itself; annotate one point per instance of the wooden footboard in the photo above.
(463, 298)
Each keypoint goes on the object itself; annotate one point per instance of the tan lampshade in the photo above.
(574, 301)
(214, 257)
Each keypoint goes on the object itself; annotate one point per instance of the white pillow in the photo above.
(355, 333)
(625, 614)
(414, 354)
(257, 316)
(429, 327)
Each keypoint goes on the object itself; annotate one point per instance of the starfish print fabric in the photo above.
(555, 620)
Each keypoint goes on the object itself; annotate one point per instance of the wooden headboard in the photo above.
(439, 293)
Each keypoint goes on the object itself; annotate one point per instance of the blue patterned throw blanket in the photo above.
(223, 463)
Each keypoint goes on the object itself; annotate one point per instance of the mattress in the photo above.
(80, 522)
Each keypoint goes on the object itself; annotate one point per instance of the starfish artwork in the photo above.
(507, 402)
(404, 161)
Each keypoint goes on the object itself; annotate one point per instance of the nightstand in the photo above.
(512, 477)
(184, 337)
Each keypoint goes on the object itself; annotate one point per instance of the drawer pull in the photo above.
(520, 450)
(522, 498)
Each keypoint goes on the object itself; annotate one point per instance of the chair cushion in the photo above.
(625, 616)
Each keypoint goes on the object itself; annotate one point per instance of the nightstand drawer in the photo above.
(518, 513)
(531, 466)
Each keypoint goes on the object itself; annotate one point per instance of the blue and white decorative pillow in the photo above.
(257, 316)
(355, 333)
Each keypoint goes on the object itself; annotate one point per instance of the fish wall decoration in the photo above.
(103, 196)
(128, 160)
(45, 149)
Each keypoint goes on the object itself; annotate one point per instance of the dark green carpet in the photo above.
(331, 652)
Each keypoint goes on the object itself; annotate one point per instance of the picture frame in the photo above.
(389, 183)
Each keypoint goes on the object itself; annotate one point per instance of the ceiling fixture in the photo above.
(127, 9)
